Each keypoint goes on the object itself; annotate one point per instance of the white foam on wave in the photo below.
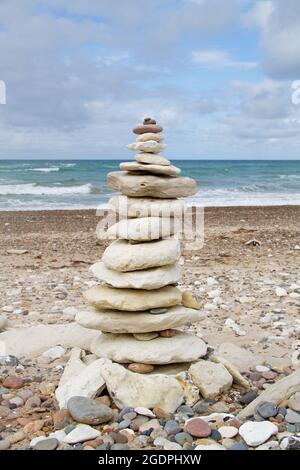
(228, 198)
(32, 189)
(45, 170)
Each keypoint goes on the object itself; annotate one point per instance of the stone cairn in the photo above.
(137, 307)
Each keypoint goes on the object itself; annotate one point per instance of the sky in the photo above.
(216, 74)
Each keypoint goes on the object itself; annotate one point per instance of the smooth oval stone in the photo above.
(256, 433)
(151, 146)
(104, 297)
(247, 398)
(170, 170)
(125, 349)
(141, 322)
(141, 368)
(197, 427)
(148, 279)
(266, 409)
(183, 438)
(158, 311)
(46, 444)
(151, 185)
(146, 207)
(120, 255)
(88, 411)
(145, 228)
(146, 128)
(292, 417)
(149, 136)
(152, 159)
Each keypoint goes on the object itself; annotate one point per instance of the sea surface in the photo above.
(80, 184)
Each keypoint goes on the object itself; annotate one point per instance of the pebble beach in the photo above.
(246, 278)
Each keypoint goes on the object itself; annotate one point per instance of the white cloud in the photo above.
(219, 59)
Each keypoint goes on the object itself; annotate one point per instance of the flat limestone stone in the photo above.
(127, 322)
(151, 185)
(146, 207)
(129, 389)
(104, 297)
(147, 279)
(145, 228)
(170, 170)
(182, 347)
(149, 136)
(150, 146)
(150, 158)
(122, 256)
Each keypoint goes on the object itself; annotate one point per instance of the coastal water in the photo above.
(78, 184)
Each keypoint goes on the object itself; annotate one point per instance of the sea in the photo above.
(81, 184)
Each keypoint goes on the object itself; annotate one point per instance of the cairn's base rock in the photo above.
(128, 322)
(124, 256)
(151, 185)
(148, 279)
(150, 391)
(104, 297)
(182, 347)
(146, 207)
(210, 378)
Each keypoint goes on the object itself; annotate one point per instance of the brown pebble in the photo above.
(33, 402)
(140, 368)
(13, 381)
(61, 419)
(94, 443)
(167, 333)
(161, 414)
(147, 128)
(34, 426)
(197, 427)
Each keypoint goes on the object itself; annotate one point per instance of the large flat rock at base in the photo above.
(127, 322)
(182, 347)
(33, 341)
(147, 279)
(146, 207)
(123, 256)
(134, 300)
(145, 228)
(150, 391)
(169, 170)
(151, 185)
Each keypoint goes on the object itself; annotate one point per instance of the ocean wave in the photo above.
(32, 189)
(289, 177)
(45, 170)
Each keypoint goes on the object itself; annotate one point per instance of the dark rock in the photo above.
(266, 409)
(247, 398)
(88, 411)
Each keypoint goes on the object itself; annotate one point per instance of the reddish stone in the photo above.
(197, 427)
(61, 419)
(13, 381)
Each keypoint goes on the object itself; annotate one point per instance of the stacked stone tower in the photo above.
(137, 307)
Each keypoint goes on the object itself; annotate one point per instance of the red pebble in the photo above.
(197, 427)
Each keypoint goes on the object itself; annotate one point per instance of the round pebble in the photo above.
(247, 398)
(183, 438)
(88, 411)
(158, 311)
(292, 417)
(172, 427)
(267, 409)
(261, 369)
(197, 427)
(228, 431)
(239, 446)
(13, 382)
(46, 444)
